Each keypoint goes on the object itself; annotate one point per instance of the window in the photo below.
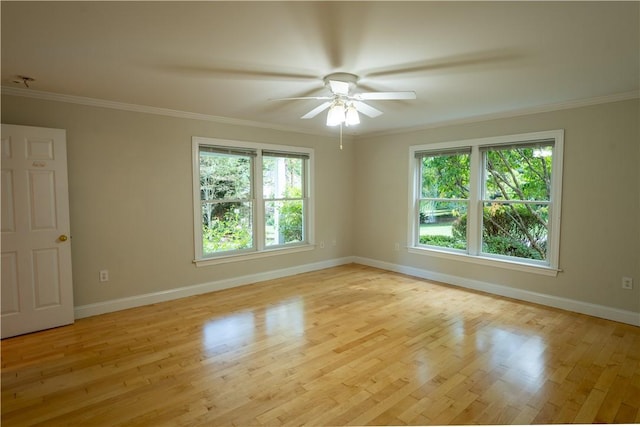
(250, 199)
(492, 201)
(283, 194)
(444, 198)
(226, 199)
(516, 199)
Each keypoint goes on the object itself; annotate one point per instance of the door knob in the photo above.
(63, 238)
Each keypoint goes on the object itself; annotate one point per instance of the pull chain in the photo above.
(341, 136)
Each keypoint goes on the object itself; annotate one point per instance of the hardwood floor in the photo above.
(350, 345)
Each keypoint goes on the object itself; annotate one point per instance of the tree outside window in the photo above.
(226, 201)
(506, 188)
(283, 194)
(517, 194)
(444, 200)
(234, 217)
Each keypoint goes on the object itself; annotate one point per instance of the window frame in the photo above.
(249, 197)
(259, 248)
(304, 197)
(420, 197)
(474, 253)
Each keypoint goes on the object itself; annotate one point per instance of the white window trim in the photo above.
(551, 267)
(260, 250)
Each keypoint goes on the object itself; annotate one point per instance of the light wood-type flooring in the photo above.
(350, 345)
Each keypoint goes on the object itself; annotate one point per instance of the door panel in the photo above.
(46, 277)
(8, 222)
(40, 149)
(37, 290)
(42, 209)
(10, 293)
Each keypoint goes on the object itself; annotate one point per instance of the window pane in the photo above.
(445, 176)
(518, 230)
(226, 227)
(282, 177)
(443, 224)
(224, 176)
(283, 222)
(518, 173)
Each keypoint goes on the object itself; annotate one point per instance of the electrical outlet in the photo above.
(396, 247)
(627, 283)
(321, 244)
(104, 275)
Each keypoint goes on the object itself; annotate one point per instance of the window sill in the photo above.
(252, 255)
(491, 262)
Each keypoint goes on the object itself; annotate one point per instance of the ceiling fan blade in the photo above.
(319, 109)
(385, 95)
(487, 58)
(301, 97)
(339, 88)
(238, 72)
(367, 110)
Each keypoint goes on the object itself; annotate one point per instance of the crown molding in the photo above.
(102, 103)
(547, 108)
(94, 102)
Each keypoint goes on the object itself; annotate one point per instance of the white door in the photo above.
(37, 291)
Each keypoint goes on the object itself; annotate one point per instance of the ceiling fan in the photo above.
(344, 103)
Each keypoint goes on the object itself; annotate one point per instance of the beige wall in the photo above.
(600, 230)
(130, 189)
(131, 203)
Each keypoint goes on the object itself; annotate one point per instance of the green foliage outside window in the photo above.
(231, 231)
(512, 223)
(227, 200)
(225, 192)
(446, 176)
(283, 193)
(291, 215)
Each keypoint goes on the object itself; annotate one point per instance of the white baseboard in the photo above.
(624, 316)
(596, 310)
(203, 288)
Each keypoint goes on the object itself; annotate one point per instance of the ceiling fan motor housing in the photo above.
(349, 78)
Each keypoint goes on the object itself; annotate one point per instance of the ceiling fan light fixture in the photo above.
(344, 105)
(352, 117)
(336, 114)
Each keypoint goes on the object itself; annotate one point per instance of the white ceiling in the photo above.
(228, 59)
